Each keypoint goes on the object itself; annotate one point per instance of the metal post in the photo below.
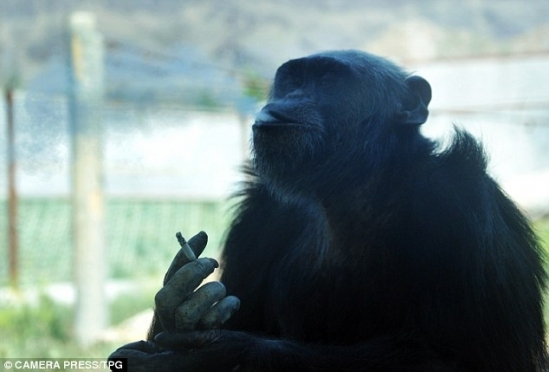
(12, 194)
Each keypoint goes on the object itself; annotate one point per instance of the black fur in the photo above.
(387, 253)
(360, 245)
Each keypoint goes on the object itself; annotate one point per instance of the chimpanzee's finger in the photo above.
(146, 356)
(144, 347)
(197, 244)
(189, 313)
(179, 287)
(219, 313)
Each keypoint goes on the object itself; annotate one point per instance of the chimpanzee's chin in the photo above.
(285, 152)
(282, 168)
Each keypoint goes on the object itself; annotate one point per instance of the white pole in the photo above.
(86, 104)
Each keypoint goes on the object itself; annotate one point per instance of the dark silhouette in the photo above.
(359, 244)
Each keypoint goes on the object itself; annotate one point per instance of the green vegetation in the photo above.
(140, 236)
(43, 329)
(542, 229)
(40, 330)
(141, 244)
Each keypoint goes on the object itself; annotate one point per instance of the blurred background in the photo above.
(123, 122)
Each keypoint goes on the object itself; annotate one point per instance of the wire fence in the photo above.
(162, 159)
(140, 236)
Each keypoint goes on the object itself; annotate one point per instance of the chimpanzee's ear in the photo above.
(415, 110)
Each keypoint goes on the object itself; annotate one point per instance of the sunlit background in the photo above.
(149, 104)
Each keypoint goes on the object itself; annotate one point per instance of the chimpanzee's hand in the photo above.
(198, 351)
(179, 307)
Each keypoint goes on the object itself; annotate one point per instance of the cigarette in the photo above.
(185, 247)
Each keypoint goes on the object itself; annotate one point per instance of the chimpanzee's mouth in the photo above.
(273, 118)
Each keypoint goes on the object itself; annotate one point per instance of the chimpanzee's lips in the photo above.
(272, 118)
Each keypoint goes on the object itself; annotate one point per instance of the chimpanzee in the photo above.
(358, 244)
